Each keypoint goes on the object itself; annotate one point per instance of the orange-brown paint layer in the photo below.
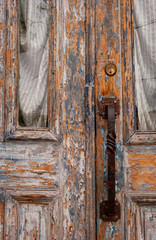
(107, 50)
(140, 164)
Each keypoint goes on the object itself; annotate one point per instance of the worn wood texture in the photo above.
(28, 218)
(2, 215)
(11, 68)
(25, 165)
(72, 98)
(2, 76)
(140, 185)
(128, 81)
(140, 217)
(47, 177)
(142, 138)
(29, 175)
(31, 158)
(140, 168)
(139, 149)
(2, 63)
(107, 50)
(90, 120)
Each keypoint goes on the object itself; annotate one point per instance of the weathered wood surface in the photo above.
(107, 50)
(72, 98)
(90, 68)
(30, 179)
(142, 138)
(11, 67)
(140, 168)
(140, 220)
(139, 150)
(140, 185)
(31, 165)
(2, 63)
(48, 184)
(128, 81)
(29, 218)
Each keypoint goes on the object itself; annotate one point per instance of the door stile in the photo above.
(108, 46)
(128, 79)
(90, 120)
(2, 63)
(72, 99)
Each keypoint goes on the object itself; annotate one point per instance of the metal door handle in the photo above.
(108, 109)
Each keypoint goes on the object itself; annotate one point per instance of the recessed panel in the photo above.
(29, 165)
(29, 216)
(140, 168)
(140, 217)
(150, 225)
(34, 221)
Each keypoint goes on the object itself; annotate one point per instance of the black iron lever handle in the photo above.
(108, 109)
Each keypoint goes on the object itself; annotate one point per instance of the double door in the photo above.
(89, 172)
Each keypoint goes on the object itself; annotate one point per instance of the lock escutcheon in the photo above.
(110, 69)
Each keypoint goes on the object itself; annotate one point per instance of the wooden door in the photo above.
(135, 154)
(46, 173)
(53, 180)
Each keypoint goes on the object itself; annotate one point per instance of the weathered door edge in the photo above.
(90, 120)
(2, 63)
(127, 61)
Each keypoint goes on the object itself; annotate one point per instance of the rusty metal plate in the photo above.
(104, 102)
(105, 211)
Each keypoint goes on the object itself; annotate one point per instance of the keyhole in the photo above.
(110, 69)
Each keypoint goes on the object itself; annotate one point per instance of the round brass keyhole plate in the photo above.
(110, 69)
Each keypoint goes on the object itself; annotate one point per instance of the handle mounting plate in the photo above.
(104, 102)
(105, 215)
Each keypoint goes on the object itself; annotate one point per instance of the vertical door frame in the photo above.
(90, 120)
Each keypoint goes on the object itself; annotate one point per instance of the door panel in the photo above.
(28, 217)
(140, 167)
(139, 147)
(140, 185)
(43, 170)
(29, 164)
(30, 189)
(135, 170)
(140, 217)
